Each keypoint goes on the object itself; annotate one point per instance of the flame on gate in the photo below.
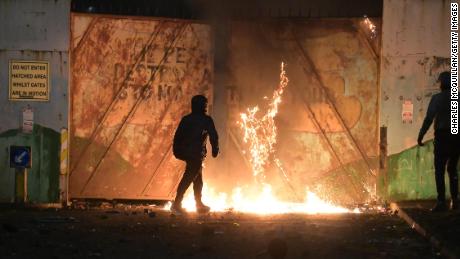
(260, 134)
(370, 26)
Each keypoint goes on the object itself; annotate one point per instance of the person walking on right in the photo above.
(446, 145)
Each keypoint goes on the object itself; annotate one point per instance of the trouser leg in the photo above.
(192, 168)
(440, 167)
(198, 186)
(453, 176)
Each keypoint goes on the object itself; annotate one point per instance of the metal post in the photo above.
(64, 176)
(20, 186)
(25, 186)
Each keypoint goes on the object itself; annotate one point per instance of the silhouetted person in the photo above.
(446, 145)
(190, 146)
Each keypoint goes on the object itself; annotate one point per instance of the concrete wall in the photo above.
(415, 49)
(34, 30)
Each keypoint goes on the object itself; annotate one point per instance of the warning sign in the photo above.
(407, 111)
(29, 80)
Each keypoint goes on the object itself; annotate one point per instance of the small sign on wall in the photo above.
(407, 111)
(29, 80)
(27, 120)
(20, 157)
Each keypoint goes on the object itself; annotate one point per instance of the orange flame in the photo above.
(263, 203)
(260, 133)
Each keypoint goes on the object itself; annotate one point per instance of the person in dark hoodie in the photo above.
(446, 145)
(189, 145)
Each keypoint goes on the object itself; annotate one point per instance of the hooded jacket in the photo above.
(191, 134)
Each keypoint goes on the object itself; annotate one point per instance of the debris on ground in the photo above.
(153, 233)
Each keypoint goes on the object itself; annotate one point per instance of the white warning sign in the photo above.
(407, 111)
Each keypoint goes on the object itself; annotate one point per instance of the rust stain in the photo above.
(101, 63)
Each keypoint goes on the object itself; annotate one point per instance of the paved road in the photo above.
(444, 226)
(132, 233)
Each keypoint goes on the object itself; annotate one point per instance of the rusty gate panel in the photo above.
(132, 81)
(328, 118)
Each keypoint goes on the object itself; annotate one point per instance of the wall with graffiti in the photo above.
(328, 116)
(415, 49)
(132, 81)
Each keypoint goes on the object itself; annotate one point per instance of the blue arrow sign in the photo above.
(20, 157)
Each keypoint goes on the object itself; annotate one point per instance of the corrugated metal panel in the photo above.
(328, 118)
(132, 80)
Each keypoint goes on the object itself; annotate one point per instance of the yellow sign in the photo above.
(29, 80)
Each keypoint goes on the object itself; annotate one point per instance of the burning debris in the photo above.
(260, 134)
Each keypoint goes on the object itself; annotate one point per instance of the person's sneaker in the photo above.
(455, 205)
(439, 207)
(177, 210)
(201, 208)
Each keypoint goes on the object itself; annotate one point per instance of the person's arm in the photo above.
(213, 137)
(430, 115)
(179, 136)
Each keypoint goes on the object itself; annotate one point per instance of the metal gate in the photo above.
(328, 119)
(131, 81)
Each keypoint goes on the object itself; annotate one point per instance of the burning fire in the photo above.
(260, 134)
(370, 26)
(263, 203)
